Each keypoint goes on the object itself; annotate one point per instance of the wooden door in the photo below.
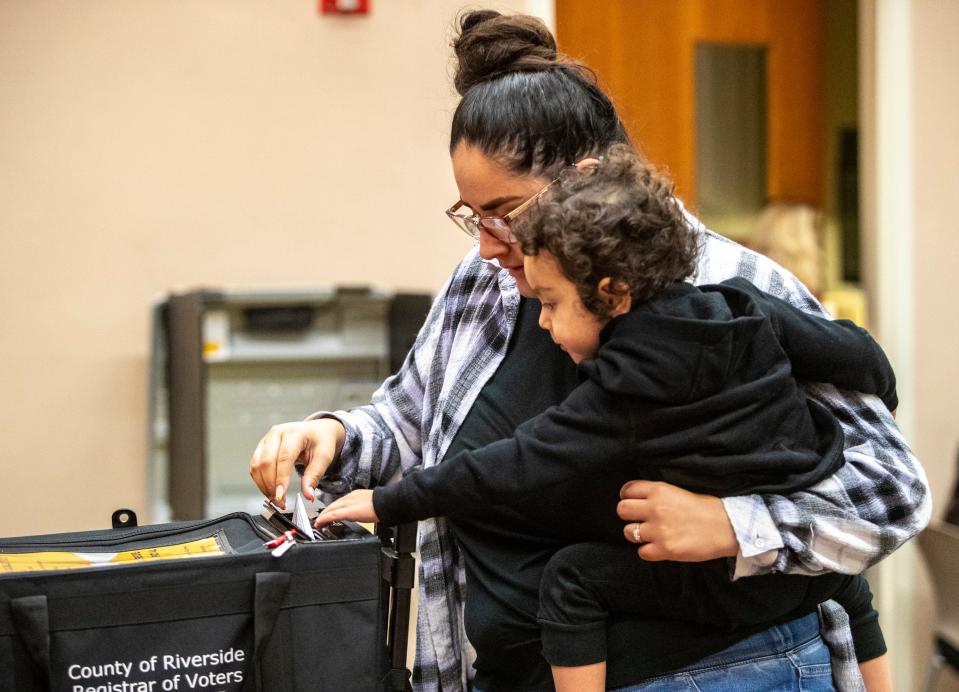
(644, 54)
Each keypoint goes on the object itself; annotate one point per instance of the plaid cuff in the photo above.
(759, 539)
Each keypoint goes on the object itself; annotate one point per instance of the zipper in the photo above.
(140, 532)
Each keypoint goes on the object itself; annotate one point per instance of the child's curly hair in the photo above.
(617, 219)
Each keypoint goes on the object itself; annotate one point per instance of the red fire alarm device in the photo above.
(345, 6)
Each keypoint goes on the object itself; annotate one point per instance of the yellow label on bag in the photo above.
(51, 561)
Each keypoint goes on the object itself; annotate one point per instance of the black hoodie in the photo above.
(696, 387)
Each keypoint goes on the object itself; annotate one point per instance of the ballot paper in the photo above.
(300, 518)
(46, 561)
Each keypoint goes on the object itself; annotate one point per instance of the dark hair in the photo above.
(525, 105)
(618, 219)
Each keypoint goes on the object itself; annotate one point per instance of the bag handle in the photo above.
(32, 621)
(269, 594)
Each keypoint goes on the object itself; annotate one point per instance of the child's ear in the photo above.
(615, 295)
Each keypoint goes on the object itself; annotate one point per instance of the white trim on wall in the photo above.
(886, 146)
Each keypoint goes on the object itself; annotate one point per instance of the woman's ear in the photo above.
(615, 295)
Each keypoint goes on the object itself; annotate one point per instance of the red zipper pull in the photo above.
(285, 537)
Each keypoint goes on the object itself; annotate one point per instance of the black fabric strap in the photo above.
(271, 589)
(33, 626)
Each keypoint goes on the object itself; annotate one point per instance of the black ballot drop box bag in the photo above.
(149, 616)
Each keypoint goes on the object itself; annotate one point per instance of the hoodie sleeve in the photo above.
(837, 352)
(588, 432)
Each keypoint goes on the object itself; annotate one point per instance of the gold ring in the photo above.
(639, 539)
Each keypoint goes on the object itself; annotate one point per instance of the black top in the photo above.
(694, 388)
(506, 547)
(635, 404)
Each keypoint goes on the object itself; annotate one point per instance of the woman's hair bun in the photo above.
(490, 44)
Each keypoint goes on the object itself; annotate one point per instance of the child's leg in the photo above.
(573, 608)
(585, 582)
(591, 678)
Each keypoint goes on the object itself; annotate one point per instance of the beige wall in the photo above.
(935, 263)
(147, 146)
(910, 150)
(936, 254)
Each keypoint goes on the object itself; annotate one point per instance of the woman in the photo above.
(481, 366)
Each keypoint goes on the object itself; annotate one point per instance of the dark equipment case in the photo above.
(332, 614)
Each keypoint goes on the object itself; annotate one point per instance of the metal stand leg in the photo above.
(399, 568)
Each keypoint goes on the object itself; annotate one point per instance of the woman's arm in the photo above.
(868, 508)
(878, 500)
(874, 503)
(368, 445)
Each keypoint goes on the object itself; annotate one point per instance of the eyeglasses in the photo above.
(497, 226)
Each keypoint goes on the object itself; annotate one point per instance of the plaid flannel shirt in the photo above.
(875, 502)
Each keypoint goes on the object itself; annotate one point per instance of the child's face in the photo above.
(564, 316)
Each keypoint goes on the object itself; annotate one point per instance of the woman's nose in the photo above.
(492, 247)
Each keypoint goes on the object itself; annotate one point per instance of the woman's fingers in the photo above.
(262, 467)
(634, 533)
(272, 463)
(675, 524)
(313, 444)
(638, 490)
(633, 510)
(652, 552)
(315, 467)
(323, 439)
(650, 542)
(293, 443)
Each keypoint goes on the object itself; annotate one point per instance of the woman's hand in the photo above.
(670, 523)
(313, 444)
(358, 506)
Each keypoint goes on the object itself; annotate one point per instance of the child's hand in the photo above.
(358, 506)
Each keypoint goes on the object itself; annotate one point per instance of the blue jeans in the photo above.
(791, 656)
